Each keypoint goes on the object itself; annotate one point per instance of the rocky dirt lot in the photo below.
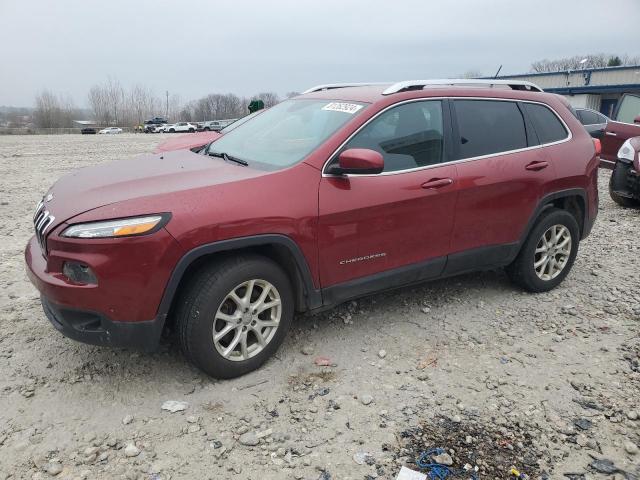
(496, 377)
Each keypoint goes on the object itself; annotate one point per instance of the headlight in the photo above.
(123, 227)
(627, 151)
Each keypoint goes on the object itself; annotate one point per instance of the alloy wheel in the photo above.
(247, 320)
(552, 252)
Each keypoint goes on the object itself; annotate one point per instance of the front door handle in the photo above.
(611, 134)
(437, 183)
(535, 166)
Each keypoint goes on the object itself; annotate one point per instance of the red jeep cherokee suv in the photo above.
(343, 191)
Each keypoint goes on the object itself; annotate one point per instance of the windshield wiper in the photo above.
(228, 158)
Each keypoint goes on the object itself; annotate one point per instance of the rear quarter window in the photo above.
(547, 125)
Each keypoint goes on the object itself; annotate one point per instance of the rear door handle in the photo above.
(611, 134)
(437, 183)
(535, 166)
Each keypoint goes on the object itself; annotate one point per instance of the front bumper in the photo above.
(625, 180)
(121, 308)
(96, 329)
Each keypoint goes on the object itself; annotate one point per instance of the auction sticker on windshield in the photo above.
(349, 108)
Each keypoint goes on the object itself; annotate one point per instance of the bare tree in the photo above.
(291, 94)
(141, 103)
(99, 104)
(579, 62)
(115, 97)
(47, 112)
(174, 108)
(53, 111)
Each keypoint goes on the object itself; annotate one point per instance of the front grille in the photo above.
(42, 220)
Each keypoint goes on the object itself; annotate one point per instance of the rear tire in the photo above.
(531, 270)
(208, 309)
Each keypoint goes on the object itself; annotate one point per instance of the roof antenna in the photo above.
(496, 75)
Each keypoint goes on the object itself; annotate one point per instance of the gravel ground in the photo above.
(548, 383)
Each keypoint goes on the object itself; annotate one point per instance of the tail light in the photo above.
(598, 145)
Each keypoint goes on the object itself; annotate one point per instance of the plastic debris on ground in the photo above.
(451, 448)
(408, 474)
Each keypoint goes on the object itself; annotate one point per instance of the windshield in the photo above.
(236, 123)
(286, 133)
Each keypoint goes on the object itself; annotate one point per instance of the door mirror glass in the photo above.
(358, 161)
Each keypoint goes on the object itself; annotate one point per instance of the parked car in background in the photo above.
(283, 214)
(180, 127)
(155, 128)
(624, 185)
(88, 131)
(156, 121)
(201, 138)
(215, 125)
(624, 125)
(110, 130)
(594, 122)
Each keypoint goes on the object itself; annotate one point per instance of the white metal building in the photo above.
(596, 88)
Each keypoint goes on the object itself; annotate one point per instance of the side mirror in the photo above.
(637, 119)
(358, 161)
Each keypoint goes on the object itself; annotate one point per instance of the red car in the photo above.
(341, 192)
(187, 141)
(196, 141)
(624, 125)
(620, 146)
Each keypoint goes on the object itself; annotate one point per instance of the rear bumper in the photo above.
(96, 329)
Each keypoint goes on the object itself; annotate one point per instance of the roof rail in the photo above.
(331, 86)
(420, 84)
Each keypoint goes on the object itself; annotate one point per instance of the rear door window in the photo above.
(546, 123)
(489, 127)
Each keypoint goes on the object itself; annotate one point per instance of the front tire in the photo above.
(548, 253)
(234, 314)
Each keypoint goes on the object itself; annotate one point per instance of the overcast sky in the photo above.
(196, 47)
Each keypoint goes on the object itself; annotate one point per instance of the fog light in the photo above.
(79, 273)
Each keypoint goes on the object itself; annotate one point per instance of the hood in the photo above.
(187, 141)
(137, 179)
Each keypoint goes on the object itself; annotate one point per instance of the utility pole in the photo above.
(166, 112)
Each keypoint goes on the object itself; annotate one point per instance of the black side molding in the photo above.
(482, 258)
(313, 296)
(387, 280)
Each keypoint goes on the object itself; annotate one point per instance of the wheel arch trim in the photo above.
(313, 296)
(546, 202)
